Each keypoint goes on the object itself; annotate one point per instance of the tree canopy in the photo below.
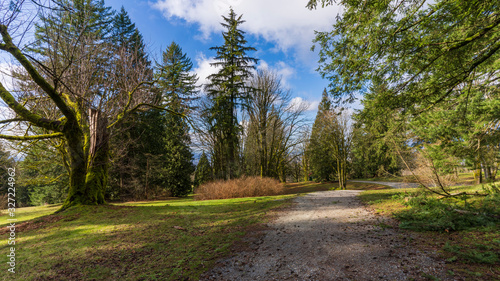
(427, 51)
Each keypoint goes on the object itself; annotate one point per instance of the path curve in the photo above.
(392, 184)
(329, 235)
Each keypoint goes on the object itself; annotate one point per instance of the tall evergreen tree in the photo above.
(125, 35)
(178, 88)
(228, 90)
(177, 82)
(321, 160)
(203, 172)
(375, 134)
(136, 141)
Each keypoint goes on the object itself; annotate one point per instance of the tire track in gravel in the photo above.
(329, 235)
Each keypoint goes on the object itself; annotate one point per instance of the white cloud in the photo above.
(298, 101)
(287, 23)
(282, 69)
(204, 69)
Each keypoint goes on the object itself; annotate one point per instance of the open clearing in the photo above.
(323, 235)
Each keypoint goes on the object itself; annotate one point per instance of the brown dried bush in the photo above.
(237, 188)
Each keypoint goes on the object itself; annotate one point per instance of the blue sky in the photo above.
(280, 30)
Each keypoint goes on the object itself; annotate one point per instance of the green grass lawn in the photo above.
(28, 213)
(159, 240)
(465, 232)
(176, 239)
(179, 239)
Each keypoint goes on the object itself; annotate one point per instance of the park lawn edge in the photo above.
(457, 248)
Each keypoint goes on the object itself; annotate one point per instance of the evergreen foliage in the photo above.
(203, 172)
(178, 88)
(321, 159)
(375, 134)
(228, 91)
(426, 50)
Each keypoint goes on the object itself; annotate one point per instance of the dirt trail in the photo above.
(329, 235)
(392, 184)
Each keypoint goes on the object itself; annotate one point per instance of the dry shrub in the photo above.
(428, 174)
(237, 188)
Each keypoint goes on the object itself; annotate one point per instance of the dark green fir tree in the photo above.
(203, 172)
(229, 90)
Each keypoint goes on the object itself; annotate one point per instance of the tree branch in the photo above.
(11, 120)
(37, 78)
(35, 137)
(26, 114)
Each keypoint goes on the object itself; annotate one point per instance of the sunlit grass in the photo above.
(28, 213)
(150, 240)
(158, 240)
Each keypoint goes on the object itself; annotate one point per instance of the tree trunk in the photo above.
(97, 176)
(89, 162)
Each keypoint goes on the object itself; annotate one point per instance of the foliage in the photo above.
(43, 176)
(330, 144)
(177, 88)
(426, 50)
(203, 171)
(433, 214)
(437, 62)
(320, 156)
(178, 166)
(228, 90)
(375, 134)
(480, 255)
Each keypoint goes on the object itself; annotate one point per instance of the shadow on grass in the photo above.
(145, 242)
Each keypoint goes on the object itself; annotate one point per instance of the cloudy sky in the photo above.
(281, 30)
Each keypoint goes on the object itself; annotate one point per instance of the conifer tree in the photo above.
(203, 172)
(125, 35)
(228, 90)
(322, 163)
(136, 141)
(178, 88)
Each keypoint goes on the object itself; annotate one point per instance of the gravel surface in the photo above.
(393, 184)
(329, 235)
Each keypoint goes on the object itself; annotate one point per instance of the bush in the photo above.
(237, 188)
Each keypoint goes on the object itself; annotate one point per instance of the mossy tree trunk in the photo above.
(87, 139)
(89, 154)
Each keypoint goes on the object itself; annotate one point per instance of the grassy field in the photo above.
(173, 239)
(28, 213)
(465, 231)
(160, 240)
(179, 239)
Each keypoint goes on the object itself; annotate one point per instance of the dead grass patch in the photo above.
(238, 188)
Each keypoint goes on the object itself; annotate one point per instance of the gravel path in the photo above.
(329, 235)
(393, 184)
